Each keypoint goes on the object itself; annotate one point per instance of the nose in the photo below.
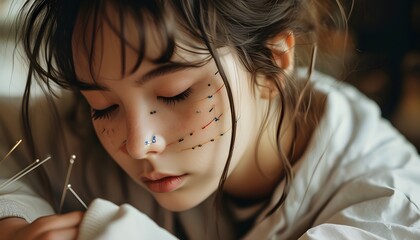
(141, 148)
(143, 138)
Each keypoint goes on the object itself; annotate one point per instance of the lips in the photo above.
(164, 183)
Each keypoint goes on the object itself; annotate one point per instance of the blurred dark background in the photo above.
(382, 58)
(386, 34)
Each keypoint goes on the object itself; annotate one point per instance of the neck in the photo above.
(261, 168)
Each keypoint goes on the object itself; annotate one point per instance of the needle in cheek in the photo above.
(215, 119)
(213, 94)
(207, 120)
(208, 141)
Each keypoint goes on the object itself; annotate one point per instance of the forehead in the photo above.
(104, 41)
(113, 44)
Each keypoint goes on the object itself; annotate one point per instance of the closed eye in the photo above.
(97, 114)
(177, 98)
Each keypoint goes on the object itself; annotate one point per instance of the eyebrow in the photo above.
(162, 70)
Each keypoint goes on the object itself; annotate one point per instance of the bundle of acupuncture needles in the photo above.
(36, 164)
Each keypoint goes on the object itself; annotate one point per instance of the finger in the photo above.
(55, 222)
(61, 234)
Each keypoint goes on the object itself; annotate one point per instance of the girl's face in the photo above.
(169, 128)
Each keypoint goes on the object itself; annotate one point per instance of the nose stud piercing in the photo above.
(151, 141)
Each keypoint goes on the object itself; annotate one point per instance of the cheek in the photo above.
(206, 120)
(109, 135)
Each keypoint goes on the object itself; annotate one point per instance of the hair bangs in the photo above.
(147, 21)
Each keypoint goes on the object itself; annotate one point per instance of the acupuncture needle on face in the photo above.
(25, 171)
(76, 196)
(66, 182)
(11, 150)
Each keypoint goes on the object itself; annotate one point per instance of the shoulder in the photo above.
(354, 120)
(356, 169)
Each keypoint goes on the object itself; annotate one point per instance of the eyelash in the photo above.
(177, 98)
(98, 114)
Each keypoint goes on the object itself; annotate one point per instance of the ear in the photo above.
(282, 49)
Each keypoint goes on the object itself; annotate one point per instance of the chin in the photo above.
(179, 203)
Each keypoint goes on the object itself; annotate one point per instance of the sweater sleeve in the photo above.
(23, 206)
(21, 198)
(105, 220)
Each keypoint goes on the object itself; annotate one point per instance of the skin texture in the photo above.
(175, 125)
(59, 227)
(191, 133)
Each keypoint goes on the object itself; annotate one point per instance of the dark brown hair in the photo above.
(245, 26)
